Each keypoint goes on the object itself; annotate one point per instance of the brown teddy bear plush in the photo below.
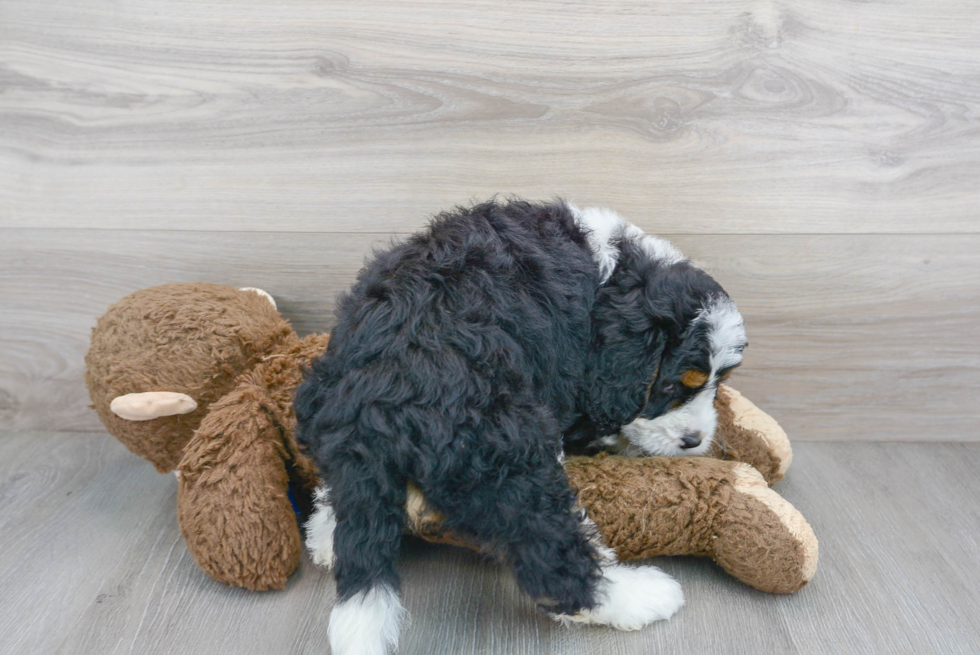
(198, 378)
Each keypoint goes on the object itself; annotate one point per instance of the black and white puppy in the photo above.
(460, 362)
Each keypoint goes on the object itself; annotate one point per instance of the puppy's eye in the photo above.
(693, 379)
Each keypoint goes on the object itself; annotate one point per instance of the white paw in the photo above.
(632, 597)
(319, 530)
(367, 623)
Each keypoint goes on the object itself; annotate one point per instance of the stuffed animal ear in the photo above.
(263, 293)
(149, 405)
(232, 500)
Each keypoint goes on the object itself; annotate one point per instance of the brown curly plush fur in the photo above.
(696, 506)
(232, 352)
(191, 338)
(746, 434)
(232, 501)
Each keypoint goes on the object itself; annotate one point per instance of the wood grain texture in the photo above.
(821, 158)
(91, 561)
(848, 332)
(768, 116)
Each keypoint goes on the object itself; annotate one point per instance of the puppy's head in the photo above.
(665, 334)
(679, 417)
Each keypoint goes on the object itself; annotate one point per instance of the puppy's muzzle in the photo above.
(690, 439)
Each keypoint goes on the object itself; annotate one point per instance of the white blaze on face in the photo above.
(662, 435)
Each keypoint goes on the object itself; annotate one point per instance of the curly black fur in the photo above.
(459, 360)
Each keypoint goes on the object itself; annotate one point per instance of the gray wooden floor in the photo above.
(91, 561)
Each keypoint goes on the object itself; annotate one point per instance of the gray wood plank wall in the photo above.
(822, 159)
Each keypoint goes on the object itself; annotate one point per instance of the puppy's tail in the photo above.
(369, 507)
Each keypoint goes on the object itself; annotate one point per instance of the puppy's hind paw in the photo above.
(319, 530)
(629, 598)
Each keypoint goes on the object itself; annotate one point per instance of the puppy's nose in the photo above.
(690, 440)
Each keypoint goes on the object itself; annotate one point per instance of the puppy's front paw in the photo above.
(632, 597)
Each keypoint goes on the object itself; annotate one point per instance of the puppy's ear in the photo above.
(627, 345)
(619, 379)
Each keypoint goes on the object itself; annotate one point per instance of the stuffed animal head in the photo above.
(159, 358)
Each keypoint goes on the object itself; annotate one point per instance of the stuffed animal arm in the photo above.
(233, 505)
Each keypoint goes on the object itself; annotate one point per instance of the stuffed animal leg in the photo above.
(719, 506)
(232, 496)
(650, 506)
(747, 434)
(698, 506)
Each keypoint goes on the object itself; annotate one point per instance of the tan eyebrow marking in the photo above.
(694, 379)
